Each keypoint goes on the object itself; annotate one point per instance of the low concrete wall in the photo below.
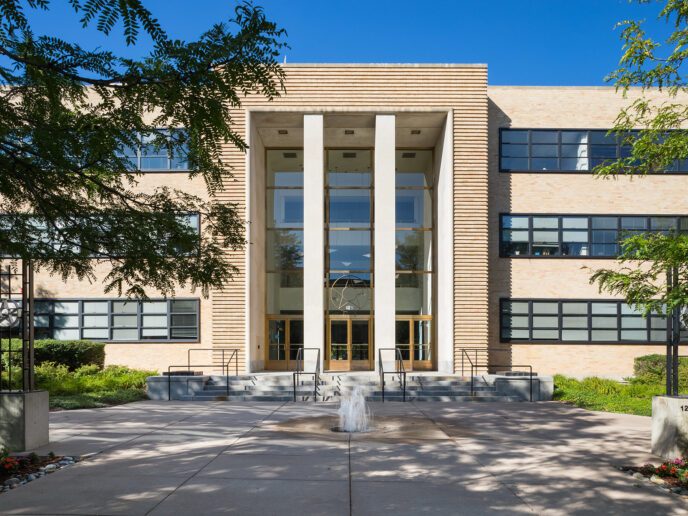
(178, 387)
(519, 386)
(670, 426)
(24, 420)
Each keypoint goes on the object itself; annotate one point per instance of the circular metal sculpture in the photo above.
(10, 314)
(350, 293)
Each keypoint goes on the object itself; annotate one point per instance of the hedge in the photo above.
(71, 353)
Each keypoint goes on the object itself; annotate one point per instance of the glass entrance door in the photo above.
(284, 339)
(414, 342)
(349, 344)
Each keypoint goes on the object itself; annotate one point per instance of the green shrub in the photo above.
(651, 369)
(72, 353)
(58, 380)
(607, 395)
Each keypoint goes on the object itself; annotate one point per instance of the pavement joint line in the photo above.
(351, 508)
(480, 463)
(214, 458)
(122, 443)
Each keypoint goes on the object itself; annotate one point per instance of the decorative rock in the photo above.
(638, 475)
(657, 480)
(11, 482)
(31, 477)
(676, 489)
(50, 468)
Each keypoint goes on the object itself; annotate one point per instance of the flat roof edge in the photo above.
(552, 87)
(389, 65)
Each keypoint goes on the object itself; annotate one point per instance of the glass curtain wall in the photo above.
(414, 257)
(284, 257)
(349, 258)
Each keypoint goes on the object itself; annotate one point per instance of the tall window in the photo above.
(284, 253)
(414, 255)
(349, 231)
(567, 150)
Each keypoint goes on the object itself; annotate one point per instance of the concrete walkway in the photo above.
(220, 458)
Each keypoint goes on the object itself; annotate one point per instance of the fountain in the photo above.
(354, 415)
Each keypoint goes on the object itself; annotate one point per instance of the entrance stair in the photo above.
(331, 387)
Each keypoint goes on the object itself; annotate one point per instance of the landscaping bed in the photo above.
(632, 396)
(671, 475)
(74, 375)
(18, 470)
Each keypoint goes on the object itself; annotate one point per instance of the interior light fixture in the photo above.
(348, 131)
(408, 154)
(415, 131)
(282, 131)
(289, 155)
(348, 154)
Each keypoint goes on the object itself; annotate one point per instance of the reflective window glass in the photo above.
(578, 321)
(284, 250)
(349, 208)
(285, 168)
(414, 250)
(350, 250)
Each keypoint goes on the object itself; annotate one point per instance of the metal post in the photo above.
(677, 336)
(27, 326)
(670, 339)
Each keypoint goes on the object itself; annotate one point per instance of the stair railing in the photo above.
(233, 356)
(399, 369)
(299, 371)
(475, 366)
(169, 378)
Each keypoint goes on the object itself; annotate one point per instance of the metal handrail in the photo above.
(476, 366)
(482, 350)
(234, 355)
(169, 378)
(399, 369)
(225, 364)
(296, 375)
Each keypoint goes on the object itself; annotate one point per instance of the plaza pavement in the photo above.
(243, 458)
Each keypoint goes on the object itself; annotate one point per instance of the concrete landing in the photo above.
(218, 458)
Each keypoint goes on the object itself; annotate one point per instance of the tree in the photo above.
(657, 278)
(71, 116)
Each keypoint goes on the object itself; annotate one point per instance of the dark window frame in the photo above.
(618, 316)
(110, 313)
(559, 156)
(590, 231)
(170, 158)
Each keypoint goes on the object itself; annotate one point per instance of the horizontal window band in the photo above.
(578, 235)
(566, 150)
(582, 321)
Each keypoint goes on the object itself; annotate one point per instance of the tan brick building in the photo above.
(410, 207)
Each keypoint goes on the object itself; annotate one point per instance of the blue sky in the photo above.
(524, 42)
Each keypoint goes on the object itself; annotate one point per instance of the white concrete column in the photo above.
(384, 236)
(444, 188)
(313, 235)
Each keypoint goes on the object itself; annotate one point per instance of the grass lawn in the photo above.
(634, 397)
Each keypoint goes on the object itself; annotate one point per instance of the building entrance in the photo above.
(349, 343)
